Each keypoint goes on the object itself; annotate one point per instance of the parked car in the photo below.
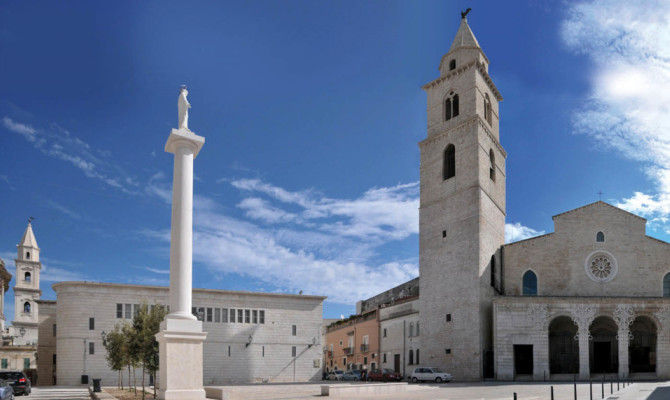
(6, 391)
(17, 380)
(350, 376)
(358, 374)
(422, 374)
(384, 375)
(335, 375)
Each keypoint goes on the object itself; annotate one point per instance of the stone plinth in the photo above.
(180, 346)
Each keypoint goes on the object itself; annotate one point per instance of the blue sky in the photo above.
(312, 112)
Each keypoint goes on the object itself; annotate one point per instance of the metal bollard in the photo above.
(617, 385)
(590, 389)
(611, 387)
(552, 392)
(602, 388)
(514, 395)
(574, 385)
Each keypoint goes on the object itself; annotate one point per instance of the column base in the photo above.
(181, 360)
(195, 394)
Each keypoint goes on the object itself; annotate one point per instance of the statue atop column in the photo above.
(183, 105)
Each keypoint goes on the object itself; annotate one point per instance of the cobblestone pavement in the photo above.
(57, 393)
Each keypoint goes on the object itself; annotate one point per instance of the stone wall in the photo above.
(405, 290)
(46, 344)
(233, 352)
(526, 320)
(559, 259)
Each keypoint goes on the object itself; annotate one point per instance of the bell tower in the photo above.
(462, 211)
(26, 289)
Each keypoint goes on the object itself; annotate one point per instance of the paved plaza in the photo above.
(465, 391)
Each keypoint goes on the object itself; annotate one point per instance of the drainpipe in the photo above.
(403, 347)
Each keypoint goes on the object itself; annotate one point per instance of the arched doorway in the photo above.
(563, 346)
(642, 346)
(604, 347)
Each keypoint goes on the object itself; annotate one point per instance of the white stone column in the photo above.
(181, 337)
(584, 365)
(623, 342)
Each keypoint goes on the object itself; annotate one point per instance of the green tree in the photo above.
(143, 344)
(115, 346)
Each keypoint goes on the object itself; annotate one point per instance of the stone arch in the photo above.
(642, 350)
(563, 345)
(604, 345)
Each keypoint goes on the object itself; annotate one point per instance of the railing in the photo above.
(365, 348)
(348, 350)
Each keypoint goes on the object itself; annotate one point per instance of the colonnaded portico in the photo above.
(556, 337)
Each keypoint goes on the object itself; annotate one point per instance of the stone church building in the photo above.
(590, 298)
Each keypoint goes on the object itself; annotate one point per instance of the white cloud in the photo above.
(55, 274)
(59, 207)
(157, 270)
(27, 131)
(628, 108)
(387, 213)
(515, 232)
(59, 143)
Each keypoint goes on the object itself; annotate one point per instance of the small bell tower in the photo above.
(26, 288)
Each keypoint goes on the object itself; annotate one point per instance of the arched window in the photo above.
(600, 237)
(26, 307)
(451, 106)
(666, 285)
(26, 277)
(411, 329)
(452, 65)
(449, 166)
(411, 357)
(27, 255)
(487, 109)
(529, 283)
(417, 356)
(492, 168)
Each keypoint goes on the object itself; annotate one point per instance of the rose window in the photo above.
(601, 266)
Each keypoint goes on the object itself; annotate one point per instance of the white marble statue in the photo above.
(183, 105)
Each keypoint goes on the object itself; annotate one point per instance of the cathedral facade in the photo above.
(591, 298)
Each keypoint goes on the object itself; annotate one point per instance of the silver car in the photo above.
(423, 374)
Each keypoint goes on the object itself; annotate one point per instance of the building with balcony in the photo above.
(353, 343)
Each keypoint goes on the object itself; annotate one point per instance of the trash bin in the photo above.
(84, 379)
(96, 385)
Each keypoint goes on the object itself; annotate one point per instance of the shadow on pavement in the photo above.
(660, 393)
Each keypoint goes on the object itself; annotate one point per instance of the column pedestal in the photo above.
(180, 343)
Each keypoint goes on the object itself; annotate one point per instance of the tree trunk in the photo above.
(143, 393)
(129, 377)
(134, 382)
(154, 373)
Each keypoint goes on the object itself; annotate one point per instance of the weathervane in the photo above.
(600, 195)
(465, 13)
(30, 219)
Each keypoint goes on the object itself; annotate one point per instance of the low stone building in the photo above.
(400, 341)
(251, 337)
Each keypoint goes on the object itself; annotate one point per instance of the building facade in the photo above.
(353, 343)
(592, 297)
(400, 341)
(251, 337)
